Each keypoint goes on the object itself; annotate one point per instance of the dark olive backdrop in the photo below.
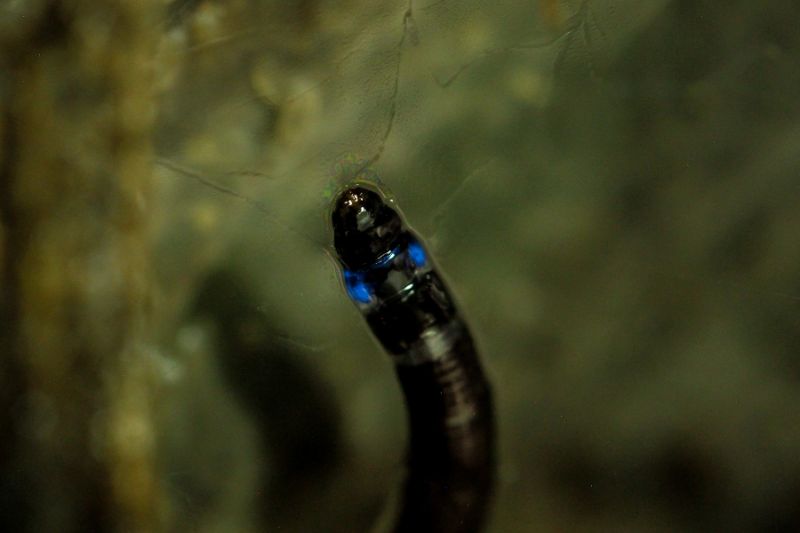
(610, 187)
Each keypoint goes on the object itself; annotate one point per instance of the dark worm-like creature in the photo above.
(390, 277)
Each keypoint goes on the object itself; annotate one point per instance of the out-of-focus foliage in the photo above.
(77, 108)
(610, 187)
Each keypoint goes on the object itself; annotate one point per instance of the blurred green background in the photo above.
(611, 188)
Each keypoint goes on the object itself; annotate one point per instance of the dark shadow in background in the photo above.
(294, 411)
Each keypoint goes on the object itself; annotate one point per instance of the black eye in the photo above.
(356, 209)
(364, 226)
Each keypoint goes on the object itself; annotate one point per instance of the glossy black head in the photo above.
(364, 227)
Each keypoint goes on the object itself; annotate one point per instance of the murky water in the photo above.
(611, 189)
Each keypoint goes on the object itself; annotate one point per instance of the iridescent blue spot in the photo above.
(357, 288)
(417, 254)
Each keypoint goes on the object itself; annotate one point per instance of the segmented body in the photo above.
(391, 279)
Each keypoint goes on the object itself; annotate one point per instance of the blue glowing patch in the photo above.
(417, 254)
(357, 288)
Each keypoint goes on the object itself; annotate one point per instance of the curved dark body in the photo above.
(450, 465)
(410, 311)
